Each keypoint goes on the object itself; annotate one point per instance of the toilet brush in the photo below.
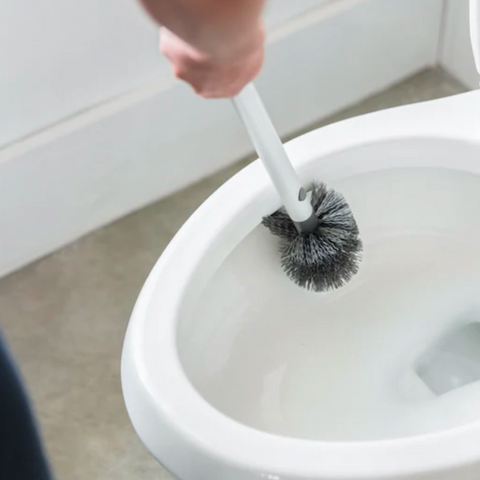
(320, 247)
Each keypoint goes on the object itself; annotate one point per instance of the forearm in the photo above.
(220, 28)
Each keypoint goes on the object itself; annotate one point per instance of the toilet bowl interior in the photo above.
(344, 365)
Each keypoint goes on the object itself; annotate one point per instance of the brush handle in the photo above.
(475, 30)
(270, 149)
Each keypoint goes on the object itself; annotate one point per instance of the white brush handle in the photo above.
(272, 154)
(475, 30)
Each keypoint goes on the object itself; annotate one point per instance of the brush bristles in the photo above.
(326, 258)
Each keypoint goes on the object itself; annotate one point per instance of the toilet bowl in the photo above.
(231, 371)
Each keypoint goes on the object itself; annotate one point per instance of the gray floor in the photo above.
(65, 317)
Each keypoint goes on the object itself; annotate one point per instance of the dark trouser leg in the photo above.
(21, 451)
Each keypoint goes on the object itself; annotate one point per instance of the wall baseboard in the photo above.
(455, 54)
(91, 169)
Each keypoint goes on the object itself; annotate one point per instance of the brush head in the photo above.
(329, 256)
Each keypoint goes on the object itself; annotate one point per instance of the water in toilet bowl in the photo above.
(344, 365)
(454, 360)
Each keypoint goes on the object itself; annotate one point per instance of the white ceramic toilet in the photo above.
(232, 372)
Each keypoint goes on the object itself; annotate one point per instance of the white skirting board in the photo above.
(456, 54)
(89, 170)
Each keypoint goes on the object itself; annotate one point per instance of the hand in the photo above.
(213, 77)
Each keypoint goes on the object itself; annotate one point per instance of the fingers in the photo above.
(210, 78)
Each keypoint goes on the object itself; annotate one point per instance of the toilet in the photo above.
(232, 372)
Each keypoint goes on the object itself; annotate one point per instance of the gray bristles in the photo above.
(328, 257)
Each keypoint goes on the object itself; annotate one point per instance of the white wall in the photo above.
(280, 11)
(59, 57)
(117, 155)
(456, 52)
